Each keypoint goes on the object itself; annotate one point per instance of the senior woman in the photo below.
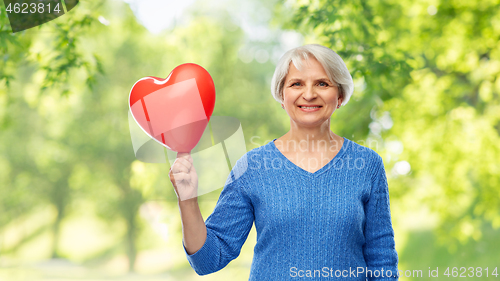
(319, 201)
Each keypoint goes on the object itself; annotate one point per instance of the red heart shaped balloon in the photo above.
(174, 111)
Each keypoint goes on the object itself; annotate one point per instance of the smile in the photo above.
(309, 108)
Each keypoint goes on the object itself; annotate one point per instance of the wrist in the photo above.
(188, 202)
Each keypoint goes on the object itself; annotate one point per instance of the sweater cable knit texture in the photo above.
(334, 223)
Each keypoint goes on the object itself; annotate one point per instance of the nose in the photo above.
(309, 93)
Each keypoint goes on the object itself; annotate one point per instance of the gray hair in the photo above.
(333, 64)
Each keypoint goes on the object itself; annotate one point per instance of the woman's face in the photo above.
(309, 88)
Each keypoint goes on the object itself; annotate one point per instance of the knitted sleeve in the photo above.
(379, 248)
(227, 229)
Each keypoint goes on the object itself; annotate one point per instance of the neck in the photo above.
(311, 139)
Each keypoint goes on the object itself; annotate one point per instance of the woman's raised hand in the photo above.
(183, 177)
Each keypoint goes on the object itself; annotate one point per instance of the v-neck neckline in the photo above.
(339, 154)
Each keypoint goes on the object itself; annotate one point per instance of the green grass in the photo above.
(423, 252)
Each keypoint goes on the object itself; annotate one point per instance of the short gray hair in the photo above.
(333, 64)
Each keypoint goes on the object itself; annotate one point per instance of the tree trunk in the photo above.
(131, 247)
(56, 229)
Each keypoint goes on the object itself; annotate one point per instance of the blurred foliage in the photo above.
(476, 254)
(429, 73)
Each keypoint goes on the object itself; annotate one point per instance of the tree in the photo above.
(24, 53)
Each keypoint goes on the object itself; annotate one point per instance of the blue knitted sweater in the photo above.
(334, 223)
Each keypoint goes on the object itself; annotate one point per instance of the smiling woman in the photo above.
(320, 207)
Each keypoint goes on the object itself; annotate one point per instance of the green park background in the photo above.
(75, 204)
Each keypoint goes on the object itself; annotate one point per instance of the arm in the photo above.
(194, 232)
(185, 181)
(227, 229)
(379, 249)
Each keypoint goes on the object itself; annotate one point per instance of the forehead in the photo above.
(308, 67)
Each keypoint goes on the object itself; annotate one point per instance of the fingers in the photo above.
(181, 165)
(179, 177)
(182, 169)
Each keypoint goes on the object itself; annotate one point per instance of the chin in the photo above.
(310, 123)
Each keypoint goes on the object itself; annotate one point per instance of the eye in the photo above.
(295, 84)
(323, 84)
